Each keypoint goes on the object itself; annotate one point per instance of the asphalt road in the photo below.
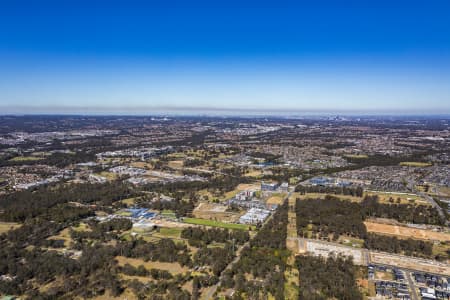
(412, 286)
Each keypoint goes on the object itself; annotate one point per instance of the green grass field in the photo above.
(168, 213)
(212, 223)
(170, 232)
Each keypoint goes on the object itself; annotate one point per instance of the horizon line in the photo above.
(202, 110)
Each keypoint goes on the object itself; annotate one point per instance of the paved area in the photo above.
(412, 286)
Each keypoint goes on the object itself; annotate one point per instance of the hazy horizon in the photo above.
(206, 111)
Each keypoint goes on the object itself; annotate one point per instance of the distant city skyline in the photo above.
(225, 58)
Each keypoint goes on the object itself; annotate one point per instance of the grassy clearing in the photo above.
(142, 165)
(63, 235)
(254, 173)
(445, 190)
(276, 199)
(170, 232)
(81, 227)
(176, 155)
(404, 198)
(212, 223)
(108, 175)
(441, 249)
(384, 275)
(173, 268)
(123, 213)
(129, 201)
(357, 156)
(205, 194)
(415, 164)
(168, 213)
(25, 158)
(323, 195)
(143, 279)
(176, 164)
(351, 242)
(7, 226)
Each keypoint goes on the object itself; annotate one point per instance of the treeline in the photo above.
(181, 208)
(156, 274)
(331, 278)
(385, 160)
(92, 274)
(394, 245)
(193, 162)
(22, 205)
(261, 266)
(35, 231)
(274, 233)
(268, 157)
(406, 213)
(57, 159)
(164, 250)
(197, 236)
(348, 191)
(217, 258)
(330, 218)
(104, 231)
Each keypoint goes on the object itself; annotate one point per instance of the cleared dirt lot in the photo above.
(407, 232)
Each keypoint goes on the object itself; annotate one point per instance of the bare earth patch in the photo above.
(407, 232)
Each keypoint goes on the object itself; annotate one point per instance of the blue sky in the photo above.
(192, 56)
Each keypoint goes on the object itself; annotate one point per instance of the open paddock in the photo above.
(404, 197)
(25, 158)
(276, 199)
(323, 195)
(175, 164)
(7, 226)
(174, 268)
(63, 235)
(357, 156)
